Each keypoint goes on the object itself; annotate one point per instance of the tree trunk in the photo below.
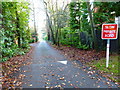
(18, 31)
(49, 24)
(34, 22)
(1, 19)
(92, 26)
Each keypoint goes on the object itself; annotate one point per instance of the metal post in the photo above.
(107, 53)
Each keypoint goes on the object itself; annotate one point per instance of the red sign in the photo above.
(109, 31)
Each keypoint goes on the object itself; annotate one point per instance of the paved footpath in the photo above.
(49, 69)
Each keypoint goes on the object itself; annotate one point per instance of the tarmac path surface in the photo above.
(49, 69)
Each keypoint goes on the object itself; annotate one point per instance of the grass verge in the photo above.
(112, 72)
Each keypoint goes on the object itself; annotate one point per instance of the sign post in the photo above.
(107, 52)
(109, 31)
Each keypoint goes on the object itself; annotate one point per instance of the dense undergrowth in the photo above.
(14, 33)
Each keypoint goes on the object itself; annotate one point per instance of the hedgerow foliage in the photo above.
(14, 32)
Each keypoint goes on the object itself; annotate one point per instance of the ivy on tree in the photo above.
(15, 32)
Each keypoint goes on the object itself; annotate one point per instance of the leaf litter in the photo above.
(84, 56)
(12, 66)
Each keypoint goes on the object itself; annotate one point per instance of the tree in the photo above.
(15, 32)
(92, 25)
(55, 18)
(80, 26)
(49, 22)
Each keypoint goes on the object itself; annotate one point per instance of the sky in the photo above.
(40, 10)
(40, 17)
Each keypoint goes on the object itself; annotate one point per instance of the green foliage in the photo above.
(75, 27)
(78, 23)
(117, 8)
(15, 32)
(79, 33)
(84, 47)
(104, 14)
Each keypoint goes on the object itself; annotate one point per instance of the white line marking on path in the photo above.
(63, 62)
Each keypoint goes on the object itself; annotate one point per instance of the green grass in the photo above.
(112, 71)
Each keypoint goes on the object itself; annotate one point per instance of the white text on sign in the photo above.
(107, 27)
(109, 35)
(109, 31)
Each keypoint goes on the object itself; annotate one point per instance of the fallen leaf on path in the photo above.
(58, 86)
(18, 83)
(63, 84)
(92, 77)
(107, 82)
(21, 76)
(53, 74)
(98, 86)
(30, 85)
(47, 83)
(68, 81)
(76, 81)
(48, 80)
(71, 84)
(46, 87)
(62, 78)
